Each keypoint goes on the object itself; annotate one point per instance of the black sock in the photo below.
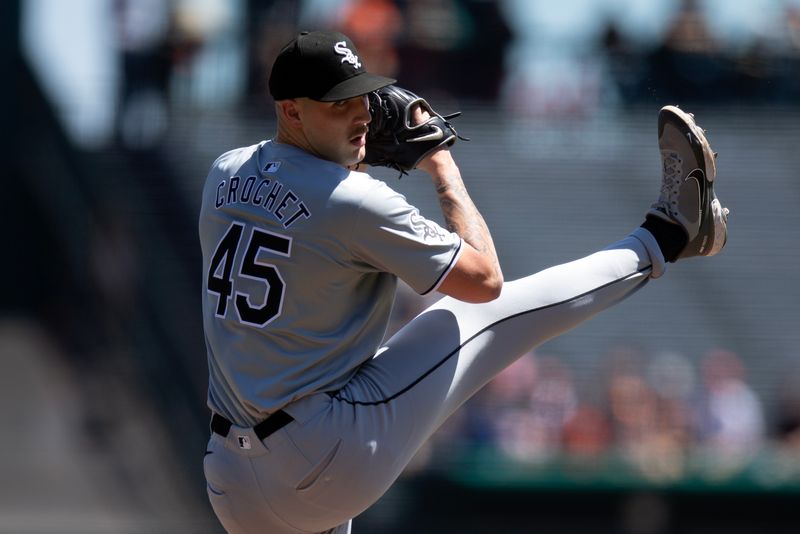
(671, 238)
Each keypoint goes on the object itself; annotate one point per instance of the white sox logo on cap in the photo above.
(341, 49)
(305, 67)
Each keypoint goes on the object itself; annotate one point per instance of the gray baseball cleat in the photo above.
(687, 190)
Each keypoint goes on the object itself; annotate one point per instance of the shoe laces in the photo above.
(670, 184)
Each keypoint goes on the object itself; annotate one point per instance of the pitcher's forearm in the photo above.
(460, 213)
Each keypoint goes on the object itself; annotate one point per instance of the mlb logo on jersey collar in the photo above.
(244, 442)
(272, 166)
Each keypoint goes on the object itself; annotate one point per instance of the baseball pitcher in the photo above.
(313, 417)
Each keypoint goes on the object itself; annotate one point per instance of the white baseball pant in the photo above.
(344, 451)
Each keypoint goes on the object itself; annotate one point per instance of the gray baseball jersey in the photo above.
(300, 263)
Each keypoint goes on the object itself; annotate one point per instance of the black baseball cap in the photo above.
(322, 66)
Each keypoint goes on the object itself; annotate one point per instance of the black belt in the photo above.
(267, 427)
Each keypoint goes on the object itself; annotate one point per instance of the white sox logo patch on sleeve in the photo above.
(341, 49)
(428, 230)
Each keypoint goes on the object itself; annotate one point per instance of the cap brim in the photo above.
(358, 85)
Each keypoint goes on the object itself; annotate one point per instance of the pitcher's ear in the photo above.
(289, 111)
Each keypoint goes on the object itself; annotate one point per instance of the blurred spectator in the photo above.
(648, 404)
(143, 31)
(452, 48)
(554, 401)
(484, 53)
(530, 402)
(624, 63)
(435, 30)
(730, 421)
(215, 76)
(689, 31)
(553, 67)
(633, 406)
(630, 30)
(270, 25)
(375, 25)
(791, 15)
(587, 434)
(740, 26)
(673, 378)
(714, 51)
(502, 412)
(687, 66)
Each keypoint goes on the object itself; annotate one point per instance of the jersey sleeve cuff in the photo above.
(453, 261)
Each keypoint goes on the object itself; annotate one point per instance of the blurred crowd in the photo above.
(561, 59)
(660, 414)
(665, 417)
(540, 59)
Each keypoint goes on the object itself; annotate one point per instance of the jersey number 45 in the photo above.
(220, 281)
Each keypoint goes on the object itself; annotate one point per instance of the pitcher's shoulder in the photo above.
(235, 158)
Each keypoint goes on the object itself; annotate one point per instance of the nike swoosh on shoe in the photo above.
(699, 177)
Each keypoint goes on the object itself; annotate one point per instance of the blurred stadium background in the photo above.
(676, 412)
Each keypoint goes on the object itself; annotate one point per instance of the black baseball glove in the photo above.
(393, 141)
